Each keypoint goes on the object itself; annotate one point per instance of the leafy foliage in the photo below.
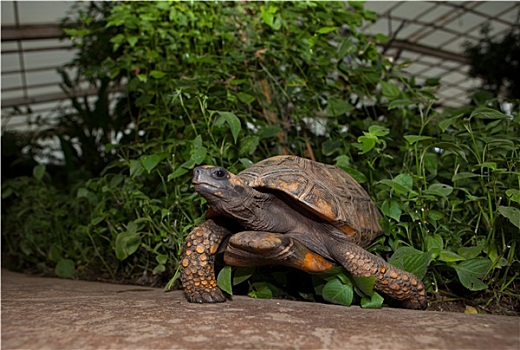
(232, 83)
(496, 62)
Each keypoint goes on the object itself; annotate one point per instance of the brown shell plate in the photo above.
(324, 189)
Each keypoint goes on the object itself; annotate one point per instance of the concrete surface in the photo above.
(63, 314)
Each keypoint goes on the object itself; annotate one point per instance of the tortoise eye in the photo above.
(219, 173)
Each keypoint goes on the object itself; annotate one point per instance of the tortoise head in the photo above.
(223, 190)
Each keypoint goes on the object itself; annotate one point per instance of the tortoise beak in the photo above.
(197, 175)
(201, 176)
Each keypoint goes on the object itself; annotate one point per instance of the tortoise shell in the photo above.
(325, 190)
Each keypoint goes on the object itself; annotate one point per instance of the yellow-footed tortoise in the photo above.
(291, 211)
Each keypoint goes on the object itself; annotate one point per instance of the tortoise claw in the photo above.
(415, 304)
(209, 295)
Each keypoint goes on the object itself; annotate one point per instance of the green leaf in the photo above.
(82, 193)
(427, 93)
(248, 145)
(487, 113)
(440, 190)
(127, 242)
(365, 284)
(39, 171)
(435, 215)
(224, 280)
(411, 260)
(149, 162)
(116, 180)
(398, 188)
(76, 33)
(368, 142)
(381, 38)
(177, 173)
(471, 271)
(337, 107)
(375, 301)
(326, 30)
(159, 269)
(346, 47)
(401, 184)
(434, 244)
(157, 74)
(172, 280)
(489, 165)
(142, 78)
(416, 138)
(343, 277)
(54, 253)
(448, 256)
(514, 195)
(392, 209)
(233, 122)
(117, 40)
(390, 90)
(511, 213)
(269, 17)
(161, 258)
(378, 130)
(469, 252)
(356, 174)
(136, 168)
(6, 193)
(371, 138)
(330, 146)
(404, 180)
(245, 162)
(96, 220)
(342, 161)
(65, 268)
(312, 41)
(431, 163)
(268, 132)
(263, 290)
(451, 147)
(198, 155)
(337, 292)
(444, 124)
(295, 81)
(236, 82)
(242, 274)
(432, 82)
(132, 40)
(245, 98)
(462, 176)
(399, 103)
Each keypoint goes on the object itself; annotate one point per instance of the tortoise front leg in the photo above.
(400, 285)
(257, 248)
(198, 257)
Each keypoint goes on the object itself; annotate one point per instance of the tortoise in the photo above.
(290, 211)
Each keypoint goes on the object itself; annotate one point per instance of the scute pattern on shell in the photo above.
(326, 190)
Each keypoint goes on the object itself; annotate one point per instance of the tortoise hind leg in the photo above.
(399, 285)
(257, 248)
(198, 256)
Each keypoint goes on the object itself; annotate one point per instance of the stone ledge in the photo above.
(54, 313)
